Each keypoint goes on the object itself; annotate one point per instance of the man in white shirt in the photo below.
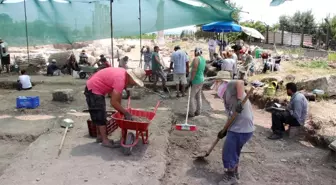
(212, 47)
(4, 55)
(24, 82)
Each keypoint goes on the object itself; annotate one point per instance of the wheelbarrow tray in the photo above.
(140, 128)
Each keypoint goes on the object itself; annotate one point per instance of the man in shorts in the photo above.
(4, 55)
(178, 60)
(109, 81)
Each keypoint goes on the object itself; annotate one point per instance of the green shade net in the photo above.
(51, 22)
(277, 2)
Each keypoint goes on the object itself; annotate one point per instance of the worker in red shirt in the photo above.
(109, 81)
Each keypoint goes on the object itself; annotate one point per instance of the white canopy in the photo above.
(252, 32)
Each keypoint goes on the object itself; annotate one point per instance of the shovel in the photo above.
(204, 154)
(66, 123)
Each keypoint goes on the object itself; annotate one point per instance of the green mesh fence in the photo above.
(51, 22)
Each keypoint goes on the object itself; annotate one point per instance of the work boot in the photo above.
(275, 137)
(229, 179)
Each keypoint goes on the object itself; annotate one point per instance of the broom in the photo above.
(186, 126)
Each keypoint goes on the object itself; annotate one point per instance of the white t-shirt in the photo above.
(212, 45)
(25, 81)
(4, 49)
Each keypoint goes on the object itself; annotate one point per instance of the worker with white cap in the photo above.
(109, 81)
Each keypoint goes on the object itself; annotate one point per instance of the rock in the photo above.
(137, 93)
(290, 78)
(132, 46)
(283, 160)
(63, 95)
(331, 85)
(38, 179)
(333, 145)
(313, 83)
(60, 57)
(126, 48)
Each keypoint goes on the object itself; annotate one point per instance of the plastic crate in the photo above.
(27, 102)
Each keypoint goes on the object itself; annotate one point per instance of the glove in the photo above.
(128, 116)
(239, 107)
(221, 134)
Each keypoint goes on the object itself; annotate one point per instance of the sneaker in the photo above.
(229, 179)
(275, 137)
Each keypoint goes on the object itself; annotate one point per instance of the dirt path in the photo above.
(273, 162)
(167, 159)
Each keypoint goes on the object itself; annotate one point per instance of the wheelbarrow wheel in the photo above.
(151, 78)
(82, 75)
(129, 140)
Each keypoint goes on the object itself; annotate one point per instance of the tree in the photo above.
(299, 20)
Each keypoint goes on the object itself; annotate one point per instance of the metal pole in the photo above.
(140, 34)
(111, 22)
(27, 40)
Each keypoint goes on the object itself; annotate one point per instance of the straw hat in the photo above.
(224, 76)
(138, 75)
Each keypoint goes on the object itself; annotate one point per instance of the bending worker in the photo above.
(241, 130)
(109, 81)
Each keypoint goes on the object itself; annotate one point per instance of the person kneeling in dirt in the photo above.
(109, 81)
(241, 130)
(53, 69)
(294, 115)
(24, 82)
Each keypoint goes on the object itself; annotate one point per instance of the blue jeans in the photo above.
(233, 145)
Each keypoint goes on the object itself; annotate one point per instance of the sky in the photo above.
(260, 10)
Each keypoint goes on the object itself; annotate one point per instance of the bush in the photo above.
(314, 64)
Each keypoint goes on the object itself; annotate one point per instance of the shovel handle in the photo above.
(235, 114)
(62, 142)
(229, 122)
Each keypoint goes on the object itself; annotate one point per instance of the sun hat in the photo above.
(223, 75)
(53, 60)
(138, 75)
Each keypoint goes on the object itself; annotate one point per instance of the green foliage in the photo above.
(332, 56)
(298, 21)
(151, 36)
(318, 64)
(187, 34)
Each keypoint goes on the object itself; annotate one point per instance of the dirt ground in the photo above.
(167, 159)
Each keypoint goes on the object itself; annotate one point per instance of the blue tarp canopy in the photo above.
(220, 27)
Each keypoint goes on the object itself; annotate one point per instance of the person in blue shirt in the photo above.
(294, 115)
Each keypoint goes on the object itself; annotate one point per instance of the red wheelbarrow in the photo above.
(128, 139)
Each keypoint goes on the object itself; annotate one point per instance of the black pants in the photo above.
(279, 118)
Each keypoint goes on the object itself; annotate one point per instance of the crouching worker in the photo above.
(24, 82)
(294, 115)
(109, 81)
(241, 130)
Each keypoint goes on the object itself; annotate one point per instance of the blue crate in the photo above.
(27, 102)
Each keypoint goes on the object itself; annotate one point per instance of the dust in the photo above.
(34, 117)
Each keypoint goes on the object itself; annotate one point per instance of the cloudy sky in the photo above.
(259, 10)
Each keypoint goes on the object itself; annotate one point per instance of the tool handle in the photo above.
(186, 121)
(157, 106)
(212, 146)
(63, 138)
(235, 114)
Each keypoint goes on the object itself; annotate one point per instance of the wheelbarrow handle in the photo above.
(157, 106)
(129, 103)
